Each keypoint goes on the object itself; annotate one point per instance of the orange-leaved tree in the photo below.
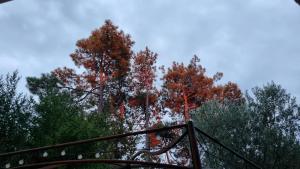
(232, 92)
(104, 58)
(188, 87)
(144, 94)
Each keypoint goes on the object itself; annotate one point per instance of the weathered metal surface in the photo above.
(103, 161)
(193, 146)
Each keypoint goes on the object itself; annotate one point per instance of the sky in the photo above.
(252, 42)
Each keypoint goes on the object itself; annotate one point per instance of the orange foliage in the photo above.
(107, 51)
(122, 111)
(153, 140)
(143, 69)
(105, 58)
(187, 87)
(232, 92)
(139, 100)
(104, 55)
(143, 77)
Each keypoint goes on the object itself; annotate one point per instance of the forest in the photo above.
(114, 90)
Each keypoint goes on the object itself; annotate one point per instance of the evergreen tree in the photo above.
(16, 114)
(264, 129)
(105, 58)
(188, 87)
(59, 117)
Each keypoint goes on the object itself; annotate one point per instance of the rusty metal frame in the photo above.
(132, 163)
(162, 150)
(104, 161)
(190, 131)
(193, 145)
(92, 140)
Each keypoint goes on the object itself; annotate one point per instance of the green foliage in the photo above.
(264, 129)
(15, 115)
(275, 119)
(229, 123)
(59, 117)
(43, 86)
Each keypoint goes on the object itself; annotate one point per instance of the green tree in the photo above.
(264, 129)
(275, 118)
(228, 122)
(60, 118)
(15, 115)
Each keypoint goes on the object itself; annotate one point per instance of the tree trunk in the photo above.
(147, 119)
(100, 99)
(186, 108)
(101, 92)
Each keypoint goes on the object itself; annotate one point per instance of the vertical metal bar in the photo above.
(193, 146)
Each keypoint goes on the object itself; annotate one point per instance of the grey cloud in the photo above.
(252, 42)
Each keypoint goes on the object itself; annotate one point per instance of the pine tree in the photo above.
(105, 59)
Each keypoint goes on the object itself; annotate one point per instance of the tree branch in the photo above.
(81, 90)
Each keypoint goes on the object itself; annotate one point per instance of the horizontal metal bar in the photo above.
(92, 140)
(104, 161)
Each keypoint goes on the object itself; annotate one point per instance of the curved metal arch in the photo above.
(92, 140)
(102, 161)
(163, 150)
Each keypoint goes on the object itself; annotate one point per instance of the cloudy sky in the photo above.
(252, 42)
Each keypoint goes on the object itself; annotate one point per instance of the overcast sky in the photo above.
(252, 42)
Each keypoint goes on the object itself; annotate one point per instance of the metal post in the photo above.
(193, 146)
